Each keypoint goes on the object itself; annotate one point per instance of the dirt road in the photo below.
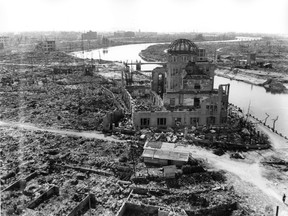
(94, 134)
(252, 173)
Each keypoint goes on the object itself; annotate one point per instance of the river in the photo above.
(241, 94)
(244, 95)
(124, 53)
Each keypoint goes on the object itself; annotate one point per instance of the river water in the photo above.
(125, 53)
(242, 94)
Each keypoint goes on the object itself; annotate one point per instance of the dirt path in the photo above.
(252, 172)
(86, 134)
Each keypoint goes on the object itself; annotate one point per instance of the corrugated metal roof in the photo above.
(165, 155)
(155, 145)
(165, 146)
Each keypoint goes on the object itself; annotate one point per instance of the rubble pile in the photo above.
(276, 163)
(145, 104)
(198, 191)
(69, 101)
(237, 135)
(39, 58)
(62, 161)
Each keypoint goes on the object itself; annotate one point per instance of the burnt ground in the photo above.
(65, 161)
(71, 101)
(79, 166)
(52, 156)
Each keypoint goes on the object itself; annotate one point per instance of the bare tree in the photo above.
(267, 116)
(274, 120)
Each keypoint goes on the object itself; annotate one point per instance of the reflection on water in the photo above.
(125, 53)
(261, 102)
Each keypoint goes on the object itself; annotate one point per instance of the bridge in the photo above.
(145, 63)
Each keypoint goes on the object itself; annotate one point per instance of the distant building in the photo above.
(90, 35)
(4, 40)
(124, 34)
(186, 88)
(49, 46)
(146, 34)
(129, 34)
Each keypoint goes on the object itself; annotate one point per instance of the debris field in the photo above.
(45, 173)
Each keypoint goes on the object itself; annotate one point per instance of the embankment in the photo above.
(271, 81)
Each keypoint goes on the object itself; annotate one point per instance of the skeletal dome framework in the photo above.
(183, 46)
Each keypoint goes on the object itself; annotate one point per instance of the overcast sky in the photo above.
(266, 16)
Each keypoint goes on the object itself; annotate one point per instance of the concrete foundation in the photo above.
(88, 202)
(46, 195)
(82, 169)
(21, 183)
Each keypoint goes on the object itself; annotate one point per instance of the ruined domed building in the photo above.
(185, 86)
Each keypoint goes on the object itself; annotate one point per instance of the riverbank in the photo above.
(256, 77)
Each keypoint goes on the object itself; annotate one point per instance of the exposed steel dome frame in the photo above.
(183, 46)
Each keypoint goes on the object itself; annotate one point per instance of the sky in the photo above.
(263, 16)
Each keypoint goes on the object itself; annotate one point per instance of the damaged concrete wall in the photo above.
(54, 190)
(112, 117)
(84, 204)
(201, 84)
(158, 80)
(127, 98)
(186, 98)
(115, 115)
(224, 209)
(212, 111)
(156, 99)
(172, 118)
(112, 96)
(139, 91)
(128, 208)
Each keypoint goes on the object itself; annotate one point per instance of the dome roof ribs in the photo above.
(183, 46)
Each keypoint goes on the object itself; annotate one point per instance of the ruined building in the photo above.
(4, 41)
(46, 46)
(186, 88)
